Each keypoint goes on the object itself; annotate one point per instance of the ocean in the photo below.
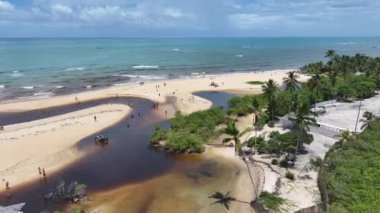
(40, 68)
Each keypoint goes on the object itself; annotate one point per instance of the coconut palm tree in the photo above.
(225, 199)
(315, 85)
(270, 89)
(290, 82)
(345, 66)
(346, 137)
(330, 54)
(256, 108)
(332, 66)
(368, 120)
(232, 130)
(302, 122)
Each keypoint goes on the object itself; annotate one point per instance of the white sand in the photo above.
(49, 143)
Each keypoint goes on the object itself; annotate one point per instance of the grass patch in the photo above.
(256, 82)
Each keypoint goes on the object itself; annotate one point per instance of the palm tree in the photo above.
(225, 199)
(256, 108)
(302, 122)
(290, 82)
(346, 136)
(345, 66)
(270, 88)
(332, 66)
(315, 85)
(330, 54)
(232, 130)
(368, 120)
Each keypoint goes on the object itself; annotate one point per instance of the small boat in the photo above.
(101, 140)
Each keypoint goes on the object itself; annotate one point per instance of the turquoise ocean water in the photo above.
(41, 68)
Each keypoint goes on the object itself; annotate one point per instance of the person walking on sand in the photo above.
(7, 186)
(43, 172)
(39, 171)
(95, 118)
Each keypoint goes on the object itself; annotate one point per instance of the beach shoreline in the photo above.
(158, 92)
(50, 143)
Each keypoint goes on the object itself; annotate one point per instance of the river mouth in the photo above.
(127, 161)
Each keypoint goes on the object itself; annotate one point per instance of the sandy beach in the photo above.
(48, 143)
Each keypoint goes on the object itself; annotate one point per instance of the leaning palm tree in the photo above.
(368, 120)
(225, 199)
(290, 82)
(269, 89)
(302, 122)
(232, 130)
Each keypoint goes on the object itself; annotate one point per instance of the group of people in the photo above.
(42, 172)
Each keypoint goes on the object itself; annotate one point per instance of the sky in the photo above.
(189, 18)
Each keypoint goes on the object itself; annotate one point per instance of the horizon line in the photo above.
(174, 37)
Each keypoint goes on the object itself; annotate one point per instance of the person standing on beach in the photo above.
(95, 118)
(7, 186)
(39, 171)
(43, 172)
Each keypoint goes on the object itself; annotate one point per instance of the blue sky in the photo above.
(188, 18)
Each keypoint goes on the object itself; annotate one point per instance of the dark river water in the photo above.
(127, 159)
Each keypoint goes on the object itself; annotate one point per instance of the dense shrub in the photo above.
(289, 175)
(184, 142)
(271, 124)
(245, 105)
(158, 135)
(274, 162)
(255, 140)
(352, 176)
(263, 119)
(189, 133)
(280, 143)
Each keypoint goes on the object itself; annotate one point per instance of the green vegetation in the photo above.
(289, 175)
(271, 201)
(189, 133)
(246, 105)
(279, 143)
(352, 171)
(316, 163)
(159, 134)
(256, 82)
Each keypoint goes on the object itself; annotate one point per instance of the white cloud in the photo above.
(5, 6)
(173, 12)
(246, 21)
(212, 17)
(105, 14)
(62, 9)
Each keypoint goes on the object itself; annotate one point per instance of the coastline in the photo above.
(158, 91)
